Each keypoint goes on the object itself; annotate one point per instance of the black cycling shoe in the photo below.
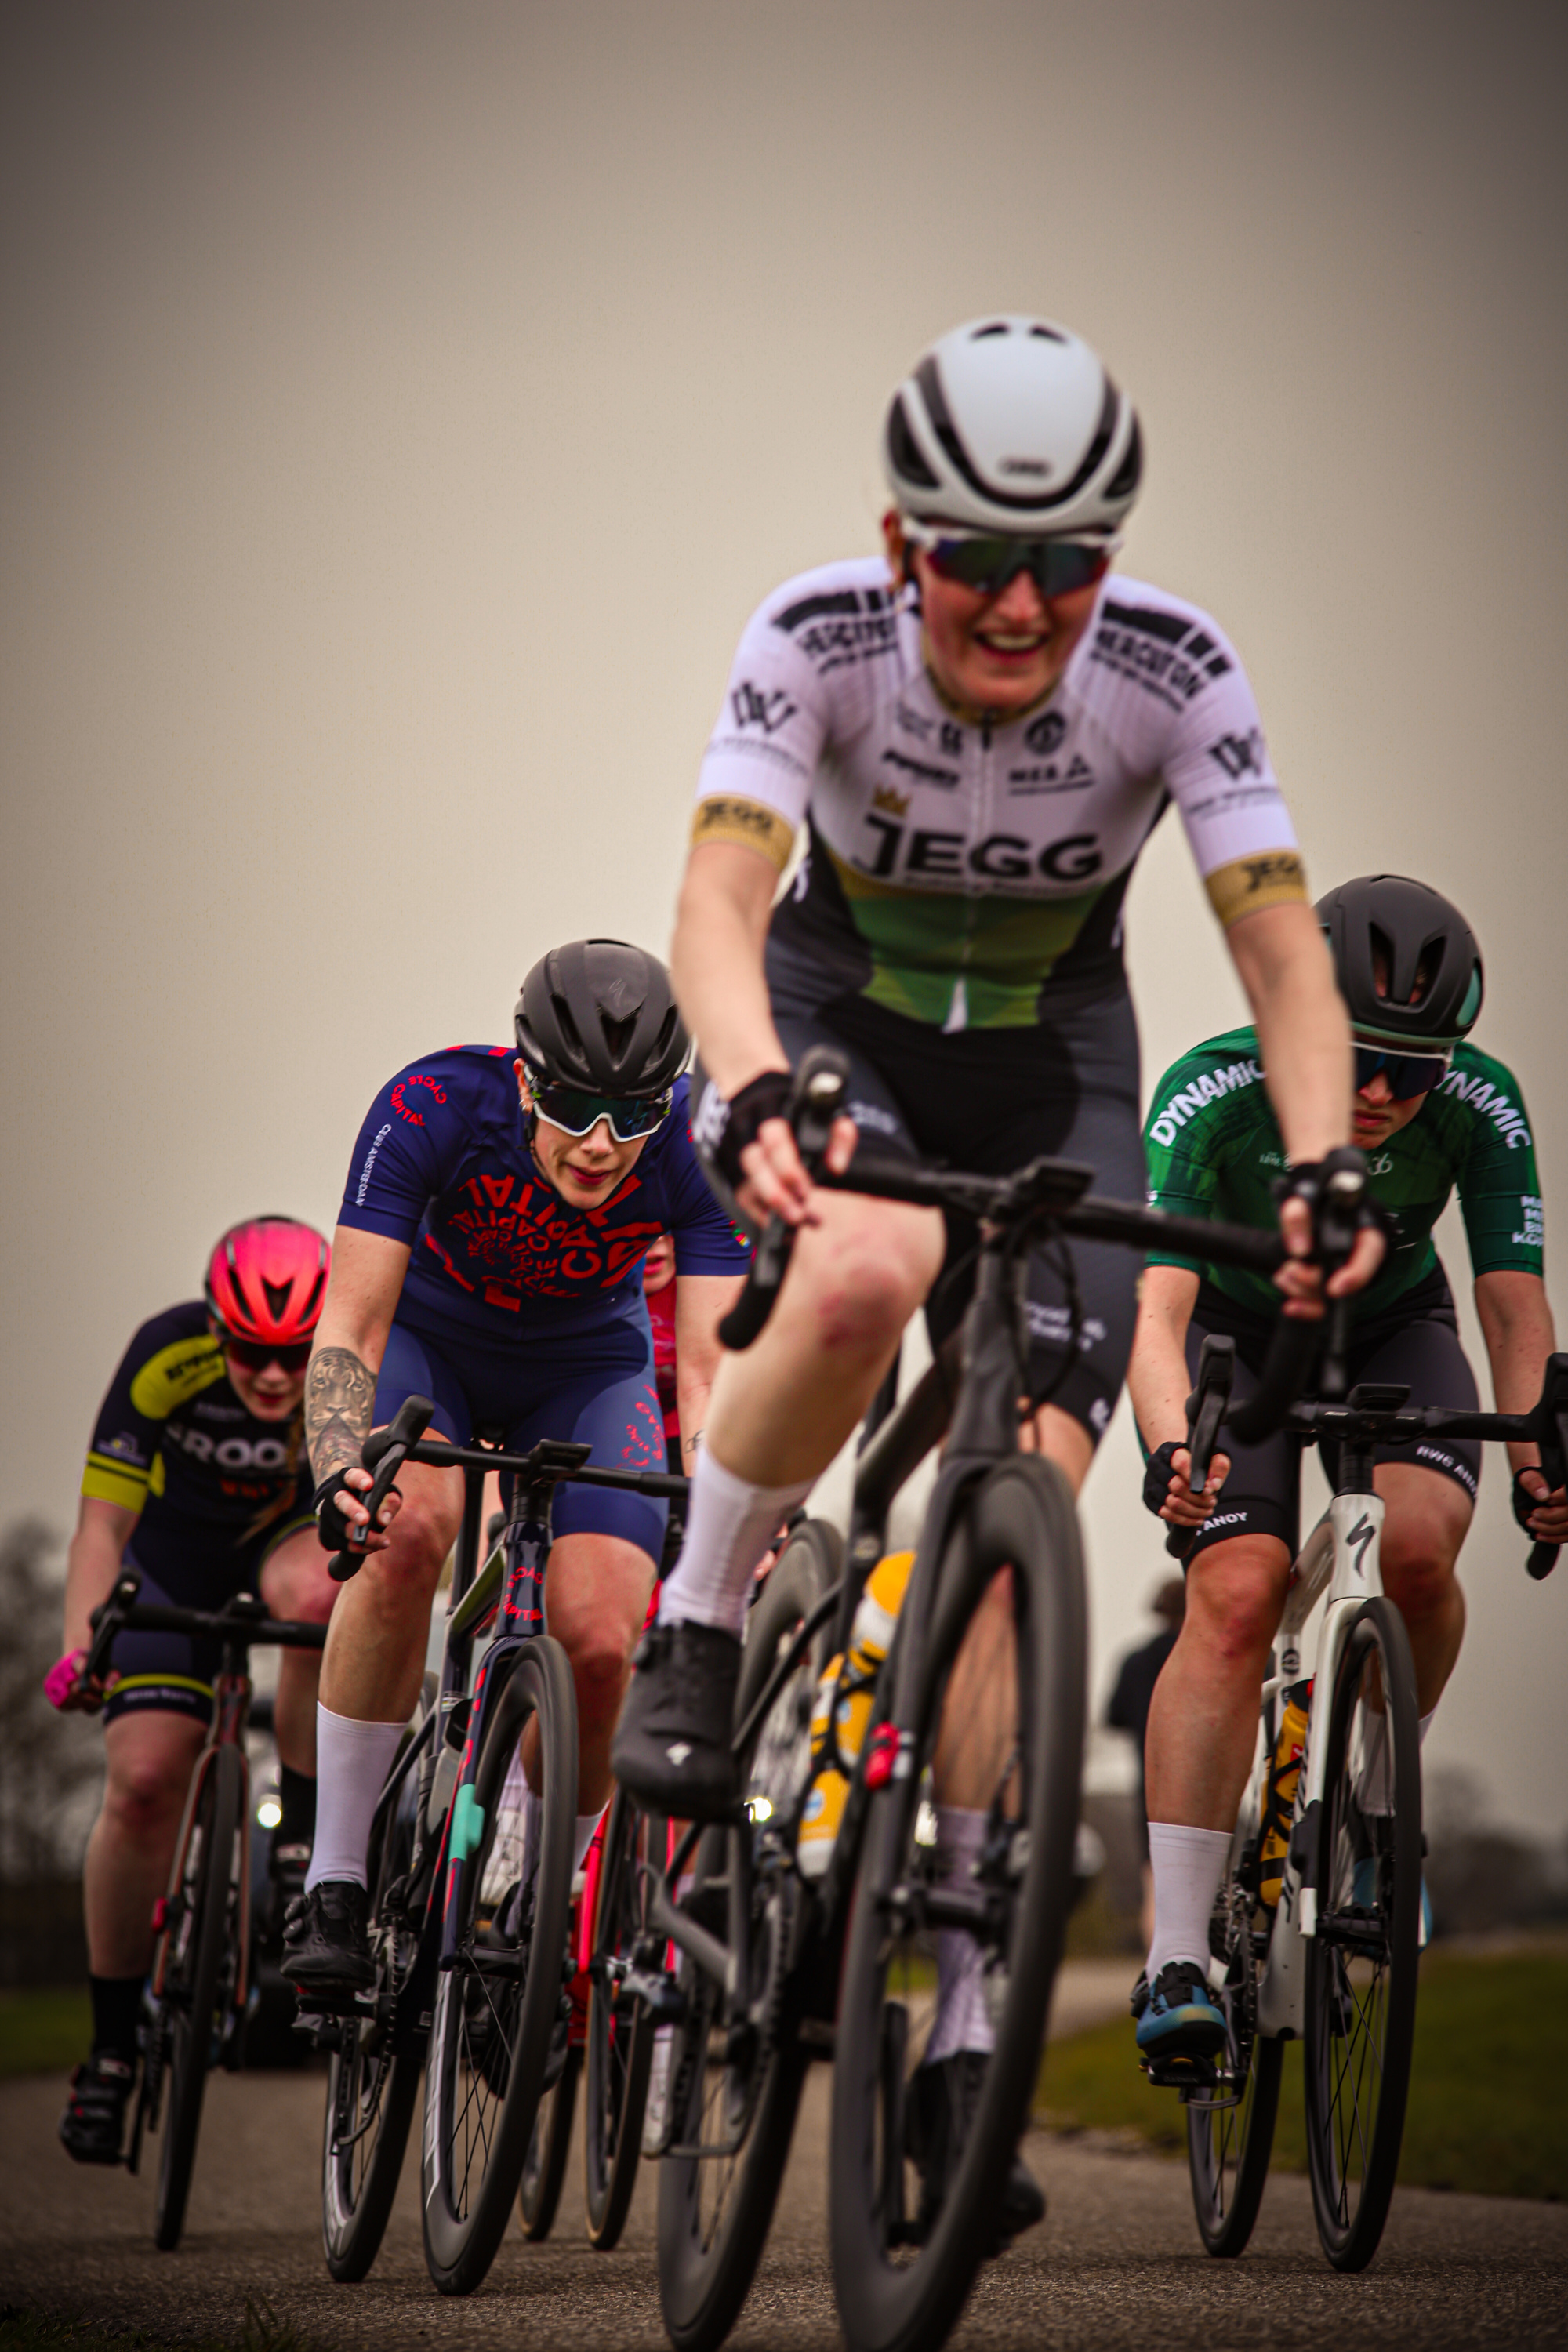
(672, 1743)
(93, 2124)
(326, 1949)
(941, 2110)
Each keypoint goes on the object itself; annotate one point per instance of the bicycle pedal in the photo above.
(321, 2033)
(1181, 2073)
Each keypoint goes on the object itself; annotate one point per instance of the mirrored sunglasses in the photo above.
(256, 1354)
(1059, 567)
(1407, 1074)
(630, 1115)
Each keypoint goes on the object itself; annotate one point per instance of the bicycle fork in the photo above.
(1343, 1550)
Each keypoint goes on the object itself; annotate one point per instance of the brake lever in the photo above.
(1552, 1439)
(385, 1452)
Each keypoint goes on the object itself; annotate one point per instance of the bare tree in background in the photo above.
(46, 1760)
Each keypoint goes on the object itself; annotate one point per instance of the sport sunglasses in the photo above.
(1057, 566)
(1407, 1074)
(630, 1115)
(256, 1354)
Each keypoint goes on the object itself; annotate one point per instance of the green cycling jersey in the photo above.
(1215, 1150)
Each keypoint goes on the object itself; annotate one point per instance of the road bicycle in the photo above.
(469, 1886)
(773, 1968)
(200, 1989)
(612, 2033)
(1333, 1961)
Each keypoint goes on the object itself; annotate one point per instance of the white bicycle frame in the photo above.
(1342, 1553)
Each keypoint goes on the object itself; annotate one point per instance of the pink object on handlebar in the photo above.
(60, 1681)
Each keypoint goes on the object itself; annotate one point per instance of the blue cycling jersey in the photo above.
(442, 1162)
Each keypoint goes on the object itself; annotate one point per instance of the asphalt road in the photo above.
(1116, 2263)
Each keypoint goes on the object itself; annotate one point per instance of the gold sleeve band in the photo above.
(751, 823)
(1275, 878)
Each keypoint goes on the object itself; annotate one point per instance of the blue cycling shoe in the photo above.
(1364, 1897)
(1181, 2026)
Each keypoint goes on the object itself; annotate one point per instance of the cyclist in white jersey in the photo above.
(978, 732)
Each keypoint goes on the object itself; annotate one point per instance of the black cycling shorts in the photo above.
(990, 1100)
(1419, 1351)
(174, 1671)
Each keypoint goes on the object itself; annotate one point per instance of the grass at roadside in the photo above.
(1487, 2111)
(43, 2032)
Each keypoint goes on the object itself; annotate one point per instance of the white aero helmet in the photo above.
(1013, 424)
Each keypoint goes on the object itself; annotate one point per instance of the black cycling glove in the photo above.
(1158, 1473)
(331, 1528)
(1334, 1189)
(728, 1127)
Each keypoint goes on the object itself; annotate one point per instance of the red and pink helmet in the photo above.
(266, 1281)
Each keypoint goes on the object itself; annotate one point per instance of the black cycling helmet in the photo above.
(599, 1015)
(1385, 925)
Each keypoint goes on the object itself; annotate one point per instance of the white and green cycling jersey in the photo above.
(971, 873)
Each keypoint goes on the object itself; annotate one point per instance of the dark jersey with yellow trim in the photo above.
(1215, 1150)
(174, 1441)
(971, 875)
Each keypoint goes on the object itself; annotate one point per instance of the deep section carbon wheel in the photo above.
(199, 1976)
(919, 2189)
(736, 2067)
(544, 2167)
(1361, 1962)
(620, 2038)
(1230, 2123)
(497, 2008)
(373, 2080)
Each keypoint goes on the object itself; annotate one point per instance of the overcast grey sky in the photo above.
(404, 406)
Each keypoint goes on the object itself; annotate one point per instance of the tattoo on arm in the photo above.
(340, 1397)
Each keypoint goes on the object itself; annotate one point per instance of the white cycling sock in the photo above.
(728, 1525)
(963, 2021)
(352, 1760)
(1187, 1864)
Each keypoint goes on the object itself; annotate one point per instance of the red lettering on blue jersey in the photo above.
(403, 1108)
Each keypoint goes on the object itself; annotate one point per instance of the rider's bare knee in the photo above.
(1235, 1591)
(146, 1788)
(871, 1264)
(1417, 1572)
(599, 1672)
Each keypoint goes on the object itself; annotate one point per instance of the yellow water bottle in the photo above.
(1283, 1774)
(842, 1715)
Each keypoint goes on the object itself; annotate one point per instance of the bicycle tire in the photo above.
(545, 2166)
(714, 2211)
(618, 2052)
(487, 2050)
(1361, 1962)
(900, 2289)
(1229, 2143)
(206, 1889)
(365, 2131)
